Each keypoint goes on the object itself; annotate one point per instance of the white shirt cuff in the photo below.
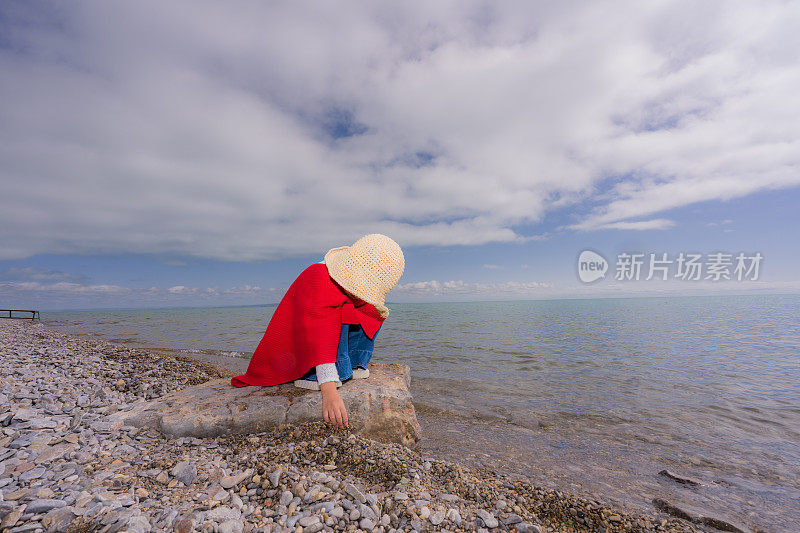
(327, 372)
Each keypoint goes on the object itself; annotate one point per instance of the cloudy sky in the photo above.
(204, 153)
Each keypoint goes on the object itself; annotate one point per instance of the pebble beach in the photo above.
(65, 467)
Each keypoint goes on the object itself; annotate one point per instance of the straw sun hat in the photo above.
(368, 269)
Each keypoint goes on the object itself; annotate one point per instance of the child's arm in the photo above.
(333, 409)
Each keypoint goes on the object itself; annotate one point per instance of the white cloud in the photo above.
(63, 288)
(721, 223)
(182, 289)
(640, 225)
(244, 289)
(493, 267)
(65, 295)
(458, 287)
(195, 128)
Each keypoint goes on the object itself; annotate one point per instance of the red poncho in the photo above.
(304, 330)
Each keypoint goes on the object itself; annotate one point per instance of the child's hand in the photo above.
(333, 410)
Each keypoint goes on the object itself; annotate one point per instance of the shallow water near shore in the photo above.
(588, 396)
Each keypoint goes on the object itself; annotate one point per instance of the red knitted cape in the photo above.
(304, 330)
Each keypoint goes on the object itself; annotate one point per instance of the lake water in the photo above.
(594, 397)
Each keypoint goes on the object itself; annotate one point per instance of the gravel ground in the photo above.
(65, 467)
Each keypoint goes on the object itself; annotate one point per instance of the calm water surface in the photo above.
(589, 396)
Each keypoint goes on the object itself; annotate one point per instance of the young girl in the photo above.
(323, 331)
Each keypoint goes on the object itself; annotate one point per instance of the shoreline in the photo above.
(63, 464)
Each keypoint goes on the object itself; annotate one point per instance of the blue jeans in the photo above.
(355, 350)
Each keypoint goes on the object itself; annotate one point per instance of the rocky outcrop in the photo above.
(687, 512)
(685, 480)
(379, 407)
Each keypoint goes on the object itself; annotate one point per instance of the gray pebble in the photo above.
(308, 520)
(222, 513)
(454, 516)
(35, 473)
(437, 517)
(231, 526)
(42, 506)
(525, 527)
(275, 477)
(354, 492)
(488, 518)
(185, 472)
(512, 518)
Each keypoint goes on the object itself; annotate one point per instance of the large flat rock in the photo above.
(379, 407)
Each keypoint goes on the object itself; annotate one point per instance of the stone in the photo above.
(26, 528)
(45, 493)
(236, 501)
(25, 414)
(488, 518)
(58, 519)
(525, 527)
(11, 518)
(682, 479)
(512, 518)
(223, 513)
(231, 526)
(55, 452)
(308, 520)
(454, 516)
(228, 482)
(436, 518)
(379, 407)
(42, 506)
(353, 492)
(32, 474)
(43, 423)
(696, 516)
(184, 472)
(184, 525)
(366, 524)
(138, 524)
(22, 442)
(286, 497)
(104, 427)
(275, 477)
(367, 512)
